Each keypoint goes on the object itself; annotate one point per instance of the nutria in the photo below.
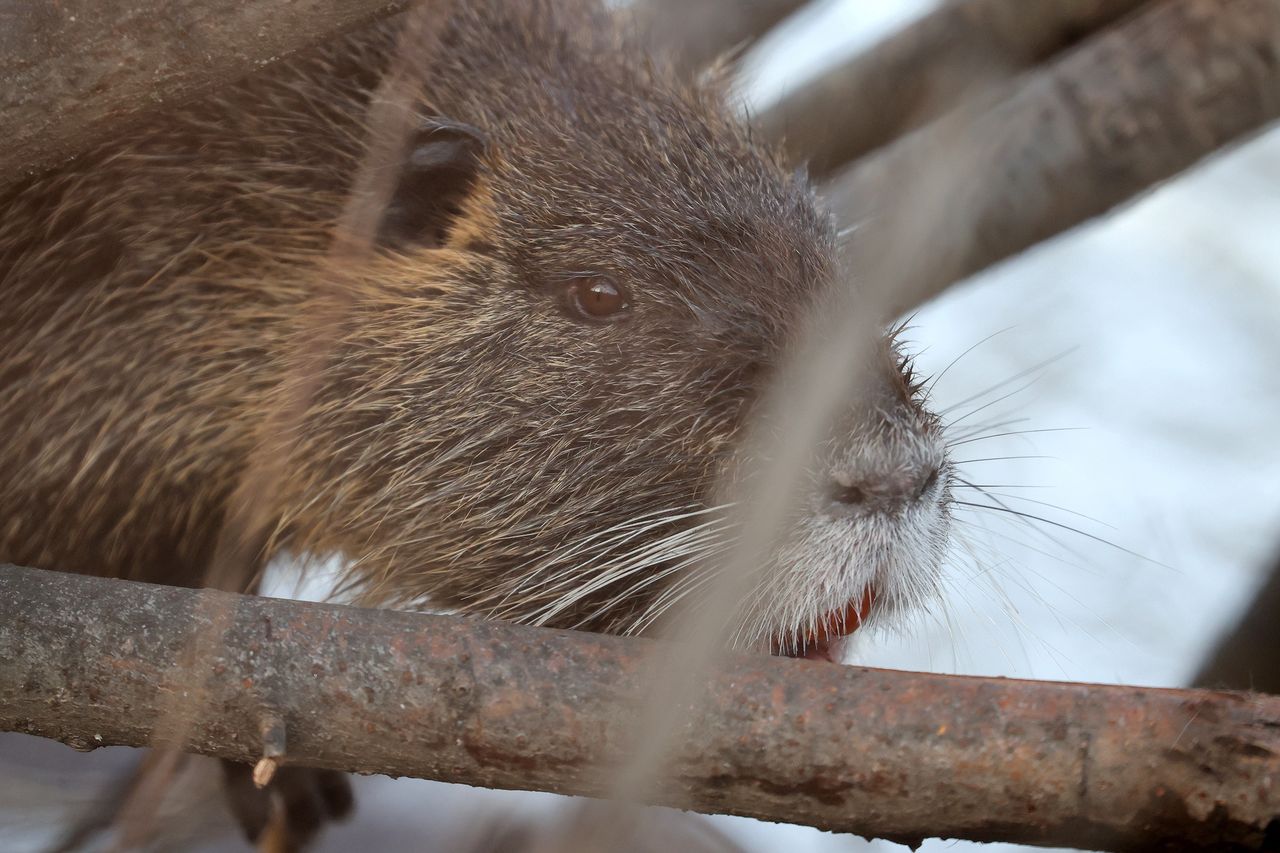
(589, 269)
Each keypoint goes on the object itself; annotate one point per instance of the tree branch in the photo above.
(1125, 110)
(74, 73)
(958, 52)
(895, 755)
(77, 72)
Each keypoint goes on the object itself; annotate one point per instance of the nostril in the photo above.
(887, 492)
(848, 495)
(929, 483)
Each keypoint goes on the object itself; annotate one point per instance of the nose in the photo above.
(883, 491)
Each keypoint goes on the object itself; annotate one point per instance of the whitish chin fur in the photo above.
(827, 564)
(830, 564)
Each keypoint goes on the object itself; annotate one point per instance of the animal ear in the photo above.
(438, 171)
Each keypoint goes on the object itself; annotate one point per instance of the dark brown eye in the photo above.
(598, 298)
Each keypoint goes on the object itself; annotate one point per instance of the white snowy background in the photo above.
(1167, 320)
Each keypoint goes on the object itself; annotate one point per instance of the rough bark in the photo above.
(1106, 121)
(895, 755)
(957, 53)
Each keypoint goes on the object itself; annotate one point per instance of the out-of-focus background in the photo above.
(1156, 431)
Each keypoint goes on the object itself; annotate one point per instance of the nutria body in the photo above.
(588, 273)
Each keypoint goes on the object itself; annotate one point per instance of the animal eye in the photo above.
(598, 298)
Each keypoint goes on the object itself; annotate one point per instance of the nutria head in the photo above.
(591, 271)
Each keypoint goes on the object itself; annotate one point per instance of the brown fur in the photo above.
(470, 441)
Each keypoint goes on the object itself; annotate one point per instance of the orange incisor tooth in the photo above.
(834, 625)
(841, 623)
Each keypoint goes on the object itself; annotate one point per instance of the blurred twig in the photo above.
(237, 557)
(1125, 110)
(954, 53)
(894, 755)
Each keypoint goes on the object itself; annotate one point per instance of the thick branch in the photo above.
(889, 754)
(74, 73)
(1123, 111)
(955, 53)
(77, 72)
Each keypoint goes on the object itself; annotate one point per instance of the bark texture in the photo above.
(1106, 121)
(888, 754)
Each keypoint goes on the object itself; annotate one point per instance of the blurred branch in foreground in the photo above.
(961, 49)
(894, 755)
(75, 73)
(1131, 107)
